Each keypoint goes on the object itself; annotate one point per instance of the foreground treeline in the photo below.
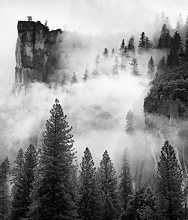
(46, 184)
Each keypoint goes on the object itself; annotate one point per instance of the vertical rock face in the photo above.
(37, 53)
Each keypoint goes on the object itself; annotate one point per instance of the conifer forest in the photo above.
(94, 110)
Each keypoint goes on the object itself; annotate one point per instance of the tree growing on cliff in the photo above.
(109, 188)
(4, 190)
(55, 195)
(169, 184)
(90, 206)
(24, 182)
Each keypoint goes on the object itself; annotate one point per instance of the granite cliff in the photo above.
(37, 54)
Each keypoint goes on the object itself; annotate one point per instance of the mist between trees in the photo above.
(47, 183)
(120, 164)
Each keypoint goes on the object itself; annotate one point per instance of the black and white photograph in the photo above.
(94, 110)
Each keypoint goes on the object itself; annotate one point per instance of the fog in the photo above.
(96, 108)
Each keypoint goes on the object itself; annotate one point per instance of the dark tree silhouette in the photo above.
(55, 194)
(90, 203)
(169, 182)
(108, 186)
(4, 190)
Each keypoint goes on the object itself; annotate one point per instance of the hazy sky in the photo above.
(91, 15)
(88, 16)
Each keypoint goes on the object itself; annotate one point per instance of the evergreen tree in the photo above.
(173, 58)
(151, 67)
(177, 42)
(131, 44)
(30, 163)
(105, 53)
(17, 191)
(74, 78)
(85, 77)
(126, 189)
(4, 190)
(134, 205)
(17, 170)
(23, 185)
(161, 67)
(129, 121)
(90, 198)
(142, 41)
(142, 205)
(55, 195)
(148, 210)
(108, 186)
(165, 38)
(169, 181)
(122, 47)
(186, 41)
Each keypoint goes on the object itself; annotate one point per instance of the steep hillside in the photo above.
(168, 95)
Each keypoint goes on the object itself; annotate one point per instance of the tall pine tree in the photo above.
(4, 190)
(165, 38)
(169, 184)
(108, 185)
(17, 191)
(55, 191)
(24, 171)
(90, 206)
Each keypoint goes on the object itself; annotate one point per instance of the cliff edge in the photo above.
(37, 56)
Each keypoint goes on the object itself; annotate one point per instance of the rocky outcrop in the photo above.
(37, 56)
